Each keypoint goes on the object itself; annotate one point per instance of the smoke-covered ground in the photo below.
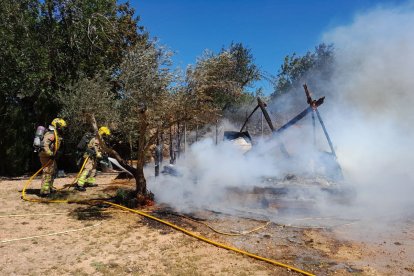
(368, 113)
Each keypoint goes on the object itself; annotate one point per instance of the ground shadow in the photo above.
(54, 195)
(91, 212)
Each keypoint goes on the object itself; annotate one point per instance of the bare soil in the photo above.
(101, 240)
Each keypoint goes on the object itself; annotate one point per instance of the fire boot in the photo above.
(80, 188)
(90, 182)
(46, 186)
(80, 184)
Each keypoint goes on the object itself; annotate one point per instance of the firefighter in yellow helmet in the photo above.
(51, 142)
(92, 154)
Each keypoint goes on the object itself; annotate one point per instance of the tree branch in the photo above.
(111, 152)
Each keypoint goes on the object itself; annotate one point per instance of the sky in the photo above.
(271, 29)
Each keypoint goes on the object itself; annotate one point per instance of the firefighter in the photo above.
(92, 154)
(50, 145)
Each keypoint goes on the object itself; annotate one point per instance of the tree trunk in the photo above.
(109, 151)
(172, 154)
(141, 182)
(158, 154)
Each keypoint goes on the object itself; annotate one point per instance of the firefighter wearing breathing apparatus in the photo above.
(51, 142)
(91, 156)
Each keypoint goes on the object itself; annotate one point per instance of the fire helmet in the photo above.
(58, 123)
(104, 131)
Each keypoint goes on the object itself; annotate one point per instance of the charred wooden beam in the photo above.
(247, 119)
(300, 116)
(262, 106)
(293, 121)
(314, 105)
(326, 132)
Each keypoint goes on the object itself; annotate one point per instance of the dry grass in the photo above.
(126, 244)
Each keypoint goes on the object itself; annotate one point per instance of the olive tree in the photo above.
(313, 68)
(88, 96)
(151, 100)
(220, 79)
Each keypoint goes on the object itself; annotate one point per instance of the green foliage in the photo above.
(21, 68)
(149, 102)
(45, 48)
(145, 79)
(87, 96)
(296, 70)
(220, 79)
(244, 72)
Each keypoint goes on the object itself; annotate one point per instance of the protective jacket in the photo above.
(49, 144)
(47, 155)
(94, 149)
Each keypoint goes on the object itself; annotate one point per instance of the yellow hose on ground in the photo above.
(226, 233)
(77, 176)
(246, 232)
(24, 197)
(210, 241)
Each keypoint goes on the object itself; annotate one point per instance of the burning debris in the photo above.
(242, 140)
(326, 160)
(240, 176)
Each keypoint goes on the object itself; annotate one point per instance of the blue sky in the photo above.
(271, 29)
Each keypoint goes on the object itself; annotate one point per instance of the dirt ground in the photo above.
(82, 239)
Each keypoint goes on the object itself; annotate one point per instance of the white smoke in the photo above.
(210, 175)
(208, 170)
(368, 114)
(372, 112)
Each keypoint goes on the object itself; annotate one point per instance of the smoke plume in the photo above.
(368, 113)
(372, 108)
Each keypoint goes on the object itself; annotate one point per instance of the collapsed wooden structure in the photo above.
(311, 109)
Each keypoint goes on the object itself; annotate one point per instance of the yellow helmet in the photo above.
(104, 131)
(58, 123)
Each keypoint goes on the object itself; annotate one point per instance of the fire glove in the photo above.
(98, 155)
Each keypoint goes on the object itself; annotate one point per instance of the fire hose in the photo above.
(144, 214)
(77, 176)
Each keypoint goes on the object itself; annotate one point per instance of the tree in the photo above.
(88, 96)
(46, 47)
(150, 101)
(82, 39)
(22, 67)
(220, 79)
(312, 67)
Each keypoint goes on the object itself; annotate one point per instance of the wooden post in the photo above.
(314, 128)
(185, 137)
(172, 154)
(178, 140)
(314, 105)
(326, 132)
(162, 146)
(261, 124)
(157, 156)
(262, 106)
